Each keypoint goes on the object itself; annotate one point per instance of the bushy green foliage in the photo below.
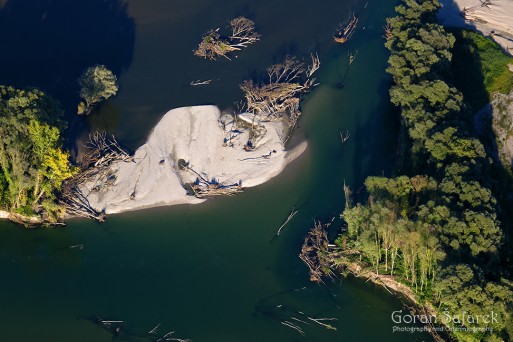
(480, 67)
(97, 84)
(442, 216)
(32, 163)
(462, 288)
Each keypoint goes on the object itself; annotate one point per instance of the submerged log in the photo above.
(293, 318)
(345, 137)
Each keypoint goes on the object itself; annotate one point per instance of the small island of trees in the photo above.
(97, 84)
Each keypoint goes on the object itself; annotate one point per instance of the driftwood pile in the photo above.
(315, 253)
(344, 33)
(204, 187)
(214, 45)
(278, 96)
(102, 151)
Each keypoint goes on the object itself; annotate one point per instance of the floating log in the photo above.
(293, 326)
(291, 215)
(344, 33)
(154, 330)
(199, 82)
(294, 318)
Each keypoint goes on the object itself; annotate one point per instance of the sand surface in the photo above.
(196, 135)
(492, 18)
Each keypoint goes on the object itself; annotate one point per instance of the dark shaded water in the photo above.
(211, 272)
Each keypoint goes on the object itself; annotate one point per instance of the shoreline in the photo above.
(21, 219)
(4, 215)
(394, 287)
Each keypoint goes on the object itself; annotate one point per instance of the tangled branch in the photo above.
(314, 253)
(279, 96)
(213, 45)
(102, 151)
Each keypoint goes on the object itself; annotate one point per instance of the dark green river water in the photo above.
(210, 272)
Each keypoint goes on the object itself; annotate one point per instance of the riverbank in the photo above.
(18, 218)
(191, 146)
(393, 286)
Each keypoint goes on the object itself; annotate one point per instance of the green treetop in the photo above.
(32, 163)
(97, 83)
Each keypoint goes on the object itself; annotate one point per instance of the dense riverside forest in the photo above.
(32, 163)
(435, 225)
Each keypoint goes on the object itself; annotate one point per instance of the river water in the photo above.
(215, 271)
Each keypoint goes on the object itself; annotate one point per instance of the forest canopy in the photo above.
(33, 164)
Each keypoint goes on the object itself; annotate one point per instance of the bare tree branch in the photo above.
(279, 96)
(243, 32)
(102, 151)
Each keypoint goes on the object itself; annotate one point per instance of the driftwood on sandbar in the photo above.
(102, 151)
(204, 187)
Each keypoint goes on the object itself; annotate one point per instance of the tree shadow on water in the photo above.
(48, 43)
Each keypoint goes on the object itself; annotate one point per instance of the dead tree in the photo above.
(243, 32)
(214, 45)
(279, 95)
(388, 32)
